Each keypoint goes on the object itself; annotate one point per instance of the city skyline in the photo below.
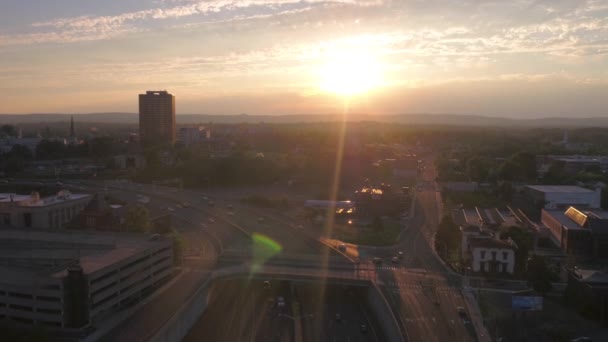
(517, 59)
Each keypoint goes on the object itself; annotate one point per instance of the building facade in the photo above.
(491, 255)
(193, 135)
(562, 196)
(32, 211)
(578, 231)
(71, 280)
(156, 118)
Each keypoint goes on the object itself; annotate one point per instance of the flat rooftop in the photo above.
(34, 201)
(48, 253)
(559, 188)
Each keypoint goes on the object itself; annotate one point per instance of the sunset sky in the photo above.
(497, 58)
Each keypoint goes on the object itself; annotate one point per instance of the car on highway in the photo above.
(280, 302)
(582, 339)
(400, 254)
(395, 260)
(377, 260)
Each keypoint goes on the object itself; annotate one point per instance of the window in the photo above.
(6, 219)
(483, 254)
(27, 219)
(505, 255)
(493, 255)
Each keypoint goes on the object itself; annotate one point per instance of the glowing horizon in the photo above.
(521, 58)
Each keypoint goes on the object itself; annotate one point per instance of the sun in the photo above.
(350, 72)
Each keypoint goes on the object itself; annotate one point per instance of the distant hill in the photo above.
(413, 119)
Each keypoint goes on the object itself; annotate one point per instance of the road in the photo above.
(246, 311)
(423, 295)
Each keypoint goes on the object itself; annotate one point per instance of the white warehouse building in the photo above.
(563, 196)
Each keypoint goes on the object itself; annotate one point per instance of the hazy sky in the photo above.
(515, 58)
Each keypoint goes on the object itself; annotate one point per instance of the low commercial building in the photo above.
(487, 255)
(380, 201)
(572, 164)
(33, 211)
(69, 280)
(578, 231)
(129, 161)
(562, 196)
(193, 135)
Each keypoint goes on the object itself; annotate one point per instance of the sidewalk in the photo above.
(476, 317)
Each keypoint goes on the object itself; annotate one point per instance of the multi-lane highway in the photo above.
(424, 296)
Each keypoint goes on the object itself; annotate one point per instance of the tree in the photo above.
(539, 275)
(138, 219)
(524, 242)
(377, 224)
(448, 235)
(8, 130)
(50, 149)
(527, 163)
(478, 169)
(21, 151)
(14, 165)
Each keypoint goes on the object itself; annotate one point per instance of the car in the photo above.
(211, 203)
(395, 260)
(170, 209)
(266, 284)
(377, 261)
(280, 302)
(260, 219)
(185, 204)
(179, 205)
(338, 317)
(363, 328)
(205, 198)
(582, 339)
(400, 254)
(204, 225)
(462, 312)
(229, 206)
(211, 220)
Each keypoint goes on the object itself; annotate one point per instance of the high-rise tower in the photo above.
(156, 118)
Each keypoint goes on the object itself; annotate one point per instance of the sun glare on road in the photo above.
(350, 71)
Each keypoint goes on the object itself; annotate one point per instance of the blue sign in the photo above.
(527, 303)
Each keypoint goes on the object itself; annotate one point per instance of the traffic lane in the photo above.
(336, 313)
(240, 310)
(428, 309)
